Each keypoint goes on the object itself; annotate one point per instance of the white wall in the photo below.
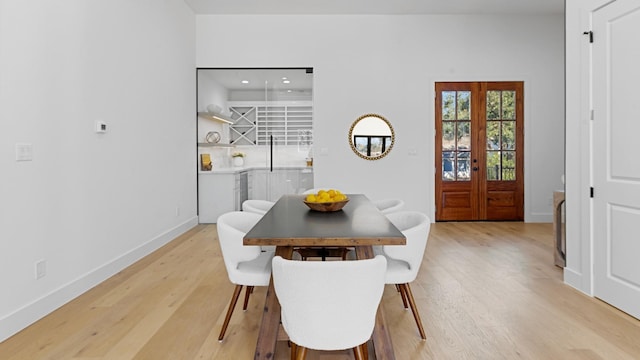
(90, 204)
(388, 65)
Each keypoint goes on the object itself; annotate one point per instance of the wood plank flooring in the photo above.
(484, 291)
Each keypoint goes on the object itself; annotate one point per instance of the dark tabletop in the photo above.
(291, 223)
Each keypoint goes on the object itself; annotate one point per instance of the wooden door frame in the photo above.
(518, 87)
(484, 189)
(473, 183)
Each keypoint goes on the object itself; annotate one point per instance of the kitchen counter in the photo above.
(224, 189)
(234, 170)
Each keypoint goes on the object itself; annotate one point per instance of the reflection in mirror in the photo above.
(371, 136)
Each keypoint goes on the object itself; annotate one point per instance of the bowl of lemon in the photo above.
(326, 200)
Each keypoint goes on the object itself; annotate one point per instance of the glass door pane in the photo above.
(287, 127)
(456, 135)
(501, 135)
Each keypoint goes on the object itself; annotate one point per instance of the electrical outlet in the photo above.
(24, 152)
(41, 269)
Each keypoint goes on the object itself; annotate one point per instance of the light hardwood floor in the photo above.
(485, 291)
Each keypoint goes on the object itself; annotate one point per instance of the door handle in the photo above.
(475, 168)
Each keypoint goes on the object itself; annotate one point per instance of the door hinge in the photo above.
(591, 192)
(591, 115)
(590, 33)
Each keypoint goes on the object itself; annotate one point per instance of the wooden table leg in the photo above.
(381, 338)
(268, 333)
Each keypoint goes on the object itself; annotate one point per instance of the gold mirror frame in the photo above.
(353, 145)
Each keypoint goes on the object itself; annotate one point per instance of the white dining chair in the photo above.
(313, 191)
(246, 265)
(316, 189)
(257, 206)
(350, 291)
(403, 261)
(388, 206)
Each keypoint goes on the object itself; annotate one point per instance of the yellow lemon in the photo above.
(311, 198)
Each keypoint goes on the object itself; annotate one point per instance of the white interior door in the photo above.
(616, 91)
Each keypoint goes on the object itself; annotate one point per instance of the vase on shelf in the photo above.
(238, 161)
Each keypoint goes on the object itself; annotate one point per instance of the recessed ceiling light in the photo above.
(284, 78)
(286, 81)
(245, 81)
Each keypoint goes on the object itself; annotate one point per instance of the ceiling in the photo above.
(261, 79)
(389, 7)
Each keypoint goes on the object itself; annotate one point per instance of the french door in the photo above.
(479, 151)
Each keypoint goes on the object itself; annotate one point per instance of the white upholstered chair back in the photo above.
(314, 190)
(242, 262)
(388, 206)
(246, 265)
(403, 261)
(415, 227)
(257, 206)
(310, 290)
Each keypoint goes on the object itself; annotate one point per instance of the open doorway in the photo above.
(254, 134)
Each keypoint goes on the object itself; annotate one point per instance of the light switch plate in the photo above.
(24, 152)
(101, 127)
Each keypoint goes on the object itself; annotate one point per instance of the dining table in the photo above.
(291, 224)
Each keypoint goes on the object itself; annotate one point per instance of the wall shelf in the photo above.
(215, 117)
(216, 145)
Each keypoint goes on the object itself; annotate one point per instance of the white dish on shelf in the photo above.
(213, 137)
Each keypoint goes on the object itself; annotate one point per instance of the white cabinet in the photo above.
(305, 180)
(220, 193)
(267, 185)
(258, 184)
(289, 122)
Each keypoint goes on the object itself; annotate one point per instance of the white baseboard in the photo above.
(30, 313)
(538, 218)
(575, 280)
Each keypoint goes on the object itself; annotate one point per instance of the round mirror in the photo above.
(371, 136)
